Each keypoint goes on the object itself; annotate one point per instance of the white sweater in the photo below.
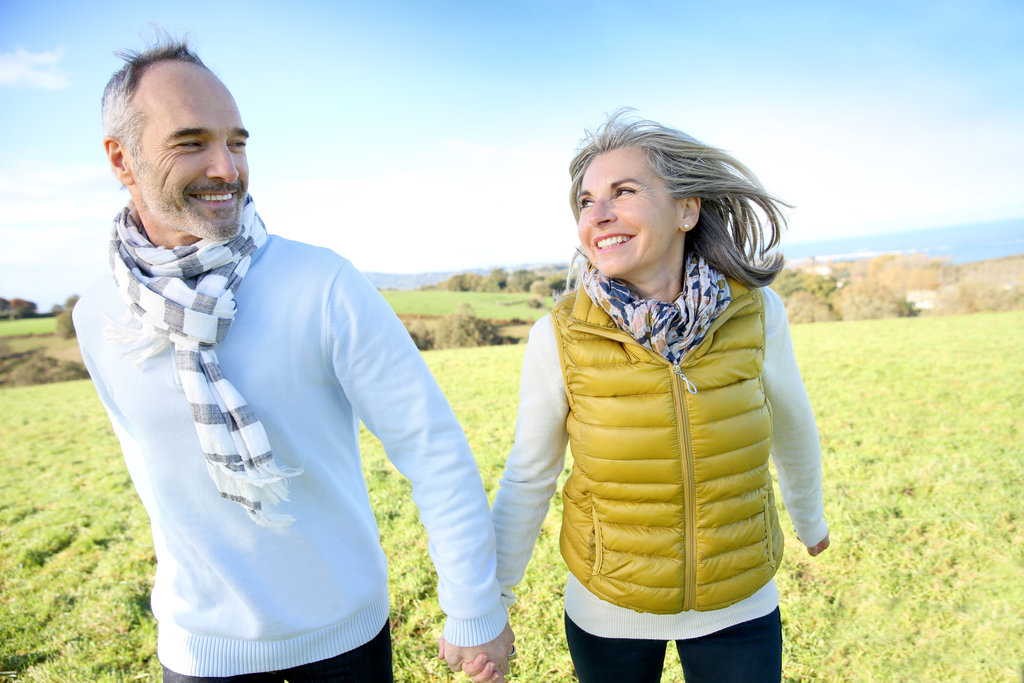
(314, 349)
(538, 457)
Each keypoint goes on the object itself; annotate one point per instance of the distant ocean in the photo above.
(963, 243)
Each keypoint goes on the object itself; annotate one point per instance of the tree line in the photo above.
(888, 286)
(893, 286)
(541, 282)
(16, 309)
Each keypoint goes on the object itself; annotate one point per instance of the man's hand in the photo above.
(813, 551)
(482, 663)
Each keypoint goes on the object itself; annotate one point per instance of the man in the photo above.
(236, 368)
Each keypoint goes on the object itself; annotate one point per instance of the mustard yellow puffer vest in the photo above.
(669, 506)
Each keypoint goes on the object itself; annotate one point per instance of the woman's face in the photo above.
(630, 227)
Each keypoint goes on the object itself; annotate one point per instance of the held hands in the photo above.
(487, 663)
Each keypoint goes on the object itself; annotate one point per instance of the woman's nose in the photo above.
(601, 211)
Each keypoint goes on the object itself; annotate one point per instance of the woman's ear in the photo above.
(689, 213)
(119, 160)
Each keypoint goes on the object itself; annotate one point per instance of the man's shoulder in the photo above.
(283, 252)
(99, 302)
(99, 295)
(305, 267)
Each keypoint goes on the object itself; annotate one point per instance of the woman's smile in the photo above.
(631, 228)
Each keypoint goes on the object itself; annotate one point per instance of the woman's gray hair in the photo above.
(121, 118)
(739, 224)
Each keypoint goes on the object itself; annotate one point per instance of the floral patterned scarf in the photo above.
(671, 329)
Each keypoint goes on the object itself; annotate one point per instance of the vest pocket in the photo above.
(598, 543)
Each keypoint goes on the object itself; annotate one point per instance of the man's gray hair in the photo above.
(739, 224)
(121, 118)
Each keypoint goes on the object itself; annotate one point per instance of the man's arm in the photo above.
(385, 377)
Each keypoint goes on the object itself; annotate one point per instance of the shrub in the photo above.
(865, 300)
(540, 287)
(804, 307)
(463, 329)
(65, 326)
(972, 296)
(421, 334)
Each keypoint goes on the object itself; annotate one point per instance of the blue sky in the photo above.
(420, 136)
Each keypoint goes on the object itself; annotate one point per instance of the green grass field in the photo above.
(921, 430)
(493, 306)
(23, 326)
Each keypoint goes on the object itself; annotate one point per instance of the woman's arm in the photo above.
(796, 449)
(536, 459)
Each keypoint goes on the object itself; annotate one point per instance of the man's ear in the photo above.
(120, 160)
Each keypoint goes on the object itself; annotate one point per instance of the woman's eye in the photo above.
(585, 203)
(624, 190)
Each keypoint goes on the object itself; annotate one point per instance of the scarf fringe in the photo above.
(142, 343)
(255, 489)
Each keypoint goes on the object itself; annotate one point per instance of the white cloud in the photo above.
(33, 69)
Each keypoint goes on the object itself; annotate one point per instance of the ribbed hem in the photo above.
(603, 619)
(191, 654)
(815, 534)
(470, 632)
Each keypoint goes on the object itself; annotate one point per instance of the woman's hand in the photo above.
(487, 663)
(482, 670)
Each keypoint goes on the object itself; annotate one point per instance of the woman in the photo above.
(671, 373)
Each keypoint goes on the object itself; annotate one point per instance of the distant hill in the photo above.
(408, 281)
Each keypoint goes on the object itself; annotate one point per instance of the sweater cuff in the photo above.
(813, 535)
(472, 632)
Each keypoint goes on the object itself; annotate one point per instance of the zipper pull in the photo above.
(689, 385)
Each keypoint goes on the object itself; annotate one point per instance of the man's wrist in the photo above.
(476, 631)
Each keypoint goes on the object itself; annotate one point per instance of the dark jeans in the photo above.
(750, 652)
(369, 663)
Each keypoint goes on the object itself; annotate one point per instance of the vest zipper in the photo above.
(690, 527)
(690, 386)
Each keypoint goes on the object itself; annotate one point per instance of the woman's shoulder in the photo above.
(775, 319)
(542, 332)
(772, 300)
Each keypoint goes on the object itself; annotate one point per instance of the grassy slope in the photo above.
(920, 423)
(493, 306)
(13, 328)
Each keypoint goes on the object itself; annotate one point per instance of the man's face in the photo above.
(190, 176)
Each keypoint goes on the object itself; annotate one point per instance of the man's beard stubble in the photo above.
(178, 212)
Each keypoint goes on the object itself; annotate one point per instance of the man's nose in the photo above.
(222, 164)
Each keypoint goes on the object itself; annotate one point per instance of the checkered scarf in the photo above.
(185, 297)
(670, 329)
